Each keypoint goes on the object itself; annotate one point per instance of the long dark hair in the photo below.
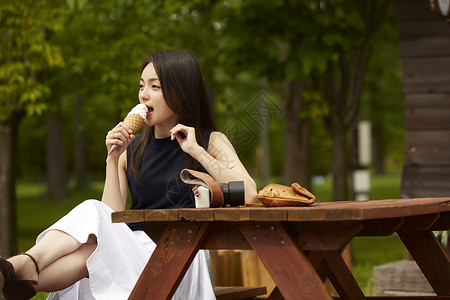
(184, 91)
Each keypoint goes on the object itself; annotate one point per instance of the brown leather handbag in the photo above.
(194, 177)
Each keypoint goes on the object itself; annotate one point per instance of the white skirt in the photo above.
(121, 255)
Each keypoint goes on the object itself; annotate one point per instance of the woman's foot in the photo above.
(20, 285)
(6, 275)
(25, 267)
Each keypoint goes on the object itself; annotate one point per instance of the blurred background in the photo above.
(290, 81)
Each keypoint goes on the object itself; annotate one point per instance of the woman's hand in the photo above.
(118, 139)
(220, 161)
(186, 138)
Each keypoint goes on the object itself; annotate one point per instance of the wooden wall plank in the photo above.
(427, 117)
(424, 46)
(425, 181)
(415, 30)
(426, 75)
(414, 10)
(424, 39)
(427, 147)
(427, 99)
(427, 111)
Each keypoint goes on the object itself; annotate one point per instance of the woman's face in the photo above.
(159, 114)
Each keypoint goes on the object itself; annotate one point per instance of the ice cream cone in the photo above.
(134, 121)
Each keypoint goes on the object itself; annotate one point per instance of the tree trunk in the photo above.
(343, 92)
(80, 146)
(56, 171)
(296, 136)
(263, 149)
(304, 176)
(340, 163)
(378, 159)
(8, 219)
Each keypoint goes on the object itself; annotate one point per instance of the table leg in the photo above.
(341, 277)
(431, 257)
(285, 261)
(169, 262)
(316, 258)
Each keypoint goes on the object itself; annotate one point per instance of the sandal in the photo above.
(12, 288)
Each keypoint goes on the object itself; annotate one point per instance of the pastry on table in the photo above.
(281, 195)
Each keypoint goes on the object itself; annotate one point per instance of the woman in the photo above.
(84, 255)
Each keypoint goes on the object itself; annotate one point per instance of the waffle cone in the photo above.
(134, 121)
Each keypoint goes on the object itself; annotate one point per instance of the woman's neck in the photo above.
(161, 134)
(163, 130)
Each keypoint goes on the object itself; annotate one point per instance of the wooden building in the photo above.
(424, 46)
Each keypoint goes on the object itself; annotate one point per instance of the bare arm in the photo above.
(115, 191)
(220, 161)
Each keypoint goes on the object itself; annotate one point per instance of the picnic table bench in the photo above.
(299, 246)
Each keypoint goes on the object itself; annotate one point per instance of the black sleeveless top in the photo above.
(160, 186)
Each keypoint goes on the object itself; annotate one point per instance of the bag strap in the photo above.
(199, 178)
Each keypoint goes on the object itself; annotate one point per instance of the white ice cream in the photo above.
(139, 109)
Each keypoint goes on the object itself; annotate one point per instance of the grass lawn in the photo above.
(36, 212)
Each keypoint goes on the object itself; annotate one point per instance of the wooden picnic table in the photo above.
(299, 246)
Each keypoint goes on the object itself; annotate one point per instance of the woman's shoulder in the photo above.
(218, 136)
(219, 140)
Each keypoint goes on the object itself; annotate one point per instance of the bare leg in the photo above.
(66, 270)
(54, 245)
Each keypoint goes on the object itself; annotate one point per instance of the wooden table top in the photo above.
(319, 211)
(322, 229)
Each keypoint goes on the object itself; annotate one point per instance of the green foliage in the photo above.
(75, 5)
(33, 134)
(24, 54)
(103, 51)
(94, 49)
(443, 236)
(383, 100)
(273, 45)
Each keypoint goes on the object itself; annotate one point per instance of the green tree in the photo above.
(383, 101)
(272, 40)
(350, 31)
(104, 44)
(316, 54)
(24, 55)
